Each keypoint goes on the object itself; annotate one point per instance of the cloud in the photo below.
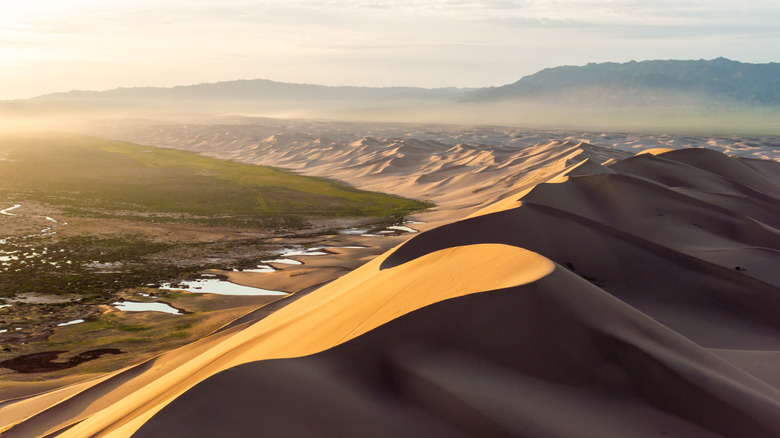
(537, 22)
(17, 44)
(660, 19)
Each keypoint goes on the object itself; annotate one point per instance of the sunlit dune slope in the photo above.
(556, 358)
(348, 307)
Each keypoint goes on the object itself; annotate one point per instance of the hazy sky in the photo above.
(59, 45)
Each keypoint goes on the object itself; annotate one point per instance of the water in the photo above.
(296, 251)
(393, 229)
(262, 269)
(6, 211)
(219, 287)
(402, 228)
(133, 306)
(354, 231)
(301, 252)
(283, 261)
(75, 321)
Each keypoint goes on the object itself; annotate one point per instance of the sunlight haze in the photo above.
(48, 45)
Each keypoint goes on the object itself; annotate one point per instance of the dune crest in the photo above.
(655, 151)
(335, 313)
(558, 357)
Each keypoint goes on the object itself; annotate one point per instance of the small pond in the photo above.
(133, 306)
(219, 287)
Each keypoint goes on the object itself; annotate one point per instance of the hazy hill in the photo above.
(719, 79)
(262, 89)
(719, 95)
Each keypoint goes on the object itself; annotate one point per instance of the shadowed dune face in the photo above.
(690, 257)
(601, 305)
(557, 358)
(602, 347)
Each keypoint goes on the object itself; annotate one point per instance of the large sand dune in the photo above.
(638, 298)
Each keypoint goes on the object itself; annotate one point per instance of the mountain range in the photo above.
(719, 79)
(263, 89)
(695, 97)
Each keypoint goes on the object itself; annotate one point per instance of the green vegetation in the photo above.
(139, 335)
(154, 191)
(97, 178)
(100, 221)
(87, 266)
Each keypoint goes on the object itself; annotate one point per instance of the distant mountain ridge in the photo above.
(720, 79)
(704, 96)
(264, 89)
(634, 82)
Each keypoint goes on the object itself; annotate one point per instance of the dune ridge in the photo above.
(337, 312)
(460, 171)
(714, 258)
(513, 362)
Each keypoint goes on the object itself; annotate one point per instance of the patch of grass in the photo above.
(133, 328)
(99, 178)
(88, 266)
(89, 177)
(138, 335)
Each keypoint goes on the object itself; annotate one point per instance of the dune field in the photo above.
(563, 285)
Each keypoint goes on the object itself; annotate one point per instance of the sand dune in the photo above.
(459, 169)
(656, 248)
(559, 357)
(638, 298)
(334, 314)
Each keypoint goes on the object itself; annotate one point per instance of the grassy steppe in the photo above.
(99, 178)
(130, 199)
(99, 220)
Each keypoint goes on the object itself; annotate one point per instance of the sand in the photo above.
(550, 295)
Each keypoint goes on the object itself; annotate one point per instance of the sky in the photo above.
(61, 45)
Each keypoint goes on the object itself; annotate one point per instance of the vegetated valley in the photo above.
(86, 222)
